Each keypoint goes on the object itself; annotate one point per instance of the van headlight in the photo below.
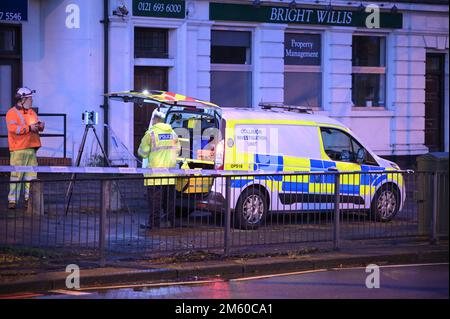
(220, 155)
(395, 166)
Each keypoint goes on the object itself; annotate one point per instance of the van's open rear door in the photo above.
(165, 98)
(196, 118)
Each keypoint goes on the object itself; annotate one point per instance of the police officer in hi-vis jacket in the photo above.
(160, 146)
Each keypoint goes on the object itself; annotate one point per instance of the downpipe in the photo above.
(105, 105)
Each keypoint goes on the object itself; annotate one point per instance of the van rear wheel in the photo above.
(251, 209)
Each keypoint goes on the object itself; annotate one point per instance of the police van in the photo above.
(293, 154)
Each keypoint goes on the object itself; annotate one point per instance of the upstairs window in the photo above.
(151, 43)
(231, 68)
(230, 47)
(9, 40)
(369, 71)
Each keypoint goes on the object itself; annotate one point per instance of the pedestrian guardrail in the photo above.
(224, 211)
(63, 135)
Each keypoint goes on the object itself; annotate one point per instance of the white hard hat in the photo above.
(24, 92)
(159, 114)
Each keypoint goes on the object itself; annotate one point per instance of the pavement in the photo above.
(151, 271)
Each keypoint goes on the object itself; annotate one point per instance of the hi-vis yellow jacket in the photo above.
(161, 146)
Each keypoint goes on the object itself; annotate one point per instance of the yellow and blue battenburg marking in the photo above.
(262, 162)
(350, 184)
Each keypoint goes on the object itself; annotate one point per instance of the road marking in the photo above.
(20, 296)
(163, 284)
(70, 292)
(394, 266)
(279, 275)
(322, 270)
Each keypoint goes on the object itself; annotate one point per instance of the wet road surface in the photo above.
(397, 281)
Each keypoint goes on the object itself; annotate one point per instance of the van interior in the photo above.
(198, 132)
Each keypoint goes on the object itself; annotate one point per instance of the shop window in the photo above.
(302, 71)
(369, 71)
(231, 68)
(151, 43)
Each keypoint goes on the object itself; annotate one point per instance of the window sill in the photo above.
(368, 108)
(154, 62)
(371, 111)
(231, 67)
(319, 110)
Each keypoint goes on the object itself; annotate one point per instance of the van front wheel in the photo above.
(385, 204)
(251, 209)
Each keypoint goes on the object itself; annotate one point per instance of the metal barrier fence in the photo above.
(62, 135)
(110, 215)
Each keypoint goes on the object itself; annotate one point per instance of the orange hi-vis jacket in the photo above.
(19, 135)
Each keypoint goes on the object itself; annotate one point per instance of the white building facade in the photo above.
(388, 83)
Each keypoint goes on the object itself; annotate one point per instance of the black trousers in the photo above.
(161, 202)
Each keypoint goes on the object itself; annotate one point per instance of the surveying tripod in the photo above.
(78, 161)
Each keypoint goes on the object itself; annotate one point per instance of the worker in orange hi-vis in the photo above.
(23, 139)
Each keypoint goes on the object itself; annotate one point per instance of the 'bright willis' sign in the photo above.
(277, 14)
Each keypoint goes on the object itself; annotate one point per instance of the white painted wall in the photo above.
(121, 76)
(66, 67)
(268, 61)
(447, 115)
(407, 94)
(423, 32)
